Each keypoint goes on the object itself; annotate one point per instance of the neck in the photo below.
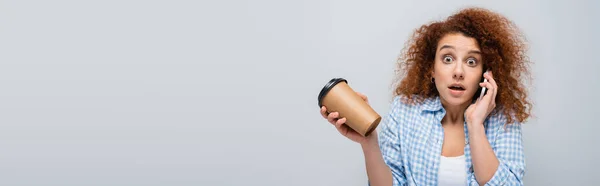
(454, 113)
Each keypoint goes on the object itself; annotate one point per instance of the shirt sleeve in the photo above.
(389, 143)
(509, 151)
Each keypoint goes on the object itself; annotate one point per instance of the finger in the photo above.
(490, 90)
(490, 78)
(340, 122)
(324, 112)
(364, 97)
(343, 129)
(332, 117)
(488, 86)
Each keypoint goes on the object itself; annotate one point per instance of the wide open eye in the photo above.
(472, 62)
(448, 59)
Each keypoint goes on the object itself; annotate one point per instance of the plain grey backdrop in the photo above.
(224, 92)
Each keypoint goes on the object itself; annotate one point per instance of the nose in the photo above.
(458, 72)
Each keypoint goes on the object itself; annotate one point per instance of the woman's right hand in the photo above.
(344, 129)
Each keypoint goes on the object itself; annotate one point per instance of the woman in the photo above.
(439, 131)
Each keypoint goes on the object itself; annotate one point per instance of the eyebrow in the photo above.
(451, 47)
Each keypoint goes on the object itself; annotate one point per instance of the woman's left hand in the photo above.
(477, 112)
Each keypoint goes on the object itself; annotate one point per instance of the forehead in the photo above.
(458, 42)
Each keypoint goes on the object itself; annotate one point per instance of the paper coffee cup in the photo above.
(337, 96)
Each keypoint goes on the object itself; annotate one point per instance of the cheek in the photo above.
(437, 65)
(441, 71)
(475, 82)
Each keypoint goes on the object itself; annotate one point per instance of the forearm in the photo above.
(378, 171)
(485, 162)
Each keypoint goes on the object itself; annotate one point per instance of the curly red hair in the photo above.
(503, 52)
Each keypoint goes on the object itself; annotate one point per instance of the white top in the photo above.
(453, 171)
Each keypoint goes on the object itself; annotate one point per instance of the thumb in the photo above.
(364, 97)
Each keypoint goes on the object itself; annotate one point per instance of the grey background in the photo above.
(224, 92)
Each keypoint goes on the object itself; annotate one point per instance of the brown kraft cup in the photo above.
(337, 96)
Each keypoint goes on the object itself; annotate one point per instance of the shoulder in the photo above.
(498, 122)
(399, 120)
(405, 108)
(414, 102)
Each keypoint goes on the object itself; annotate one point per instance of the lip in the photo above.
(456, 93)
(457, 84)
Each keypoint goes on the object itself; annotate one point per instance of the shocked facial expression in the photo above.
(458, 69)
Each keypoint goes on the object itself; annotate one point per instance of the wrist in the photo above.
(475, 127)
(371, 142)
(474, 122)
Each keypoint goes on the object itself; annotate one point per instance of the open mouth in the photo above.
(456, 87)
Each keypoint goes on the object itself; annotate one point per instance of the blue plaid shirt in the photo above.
(411, 138)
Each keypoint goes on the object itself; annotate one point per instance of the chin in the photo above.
(456, 101)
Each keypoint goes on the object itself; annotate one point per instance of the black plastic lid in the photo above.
(328, 87)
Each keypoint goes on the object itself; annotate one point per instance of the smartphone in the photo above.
(483, 89)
